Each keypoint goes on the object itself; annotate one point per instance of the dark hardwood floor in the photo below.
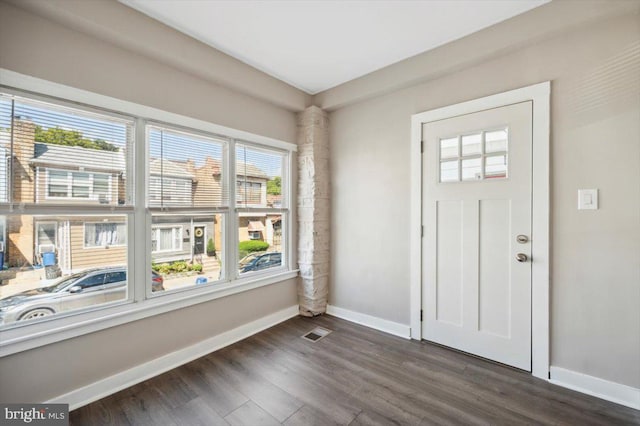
(354, 376)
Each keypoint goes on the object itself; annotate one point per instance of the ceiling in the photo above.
(315, 45)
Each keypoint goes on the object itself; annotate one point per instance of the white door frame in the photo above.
(540, 95)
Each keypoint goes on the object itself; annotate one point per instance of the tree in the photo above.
(274, 186)
(58, 136)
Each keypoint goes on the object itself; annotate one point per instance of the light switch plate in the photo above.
(587, 199)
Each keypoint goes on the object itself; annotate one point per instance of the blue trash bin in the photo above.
(201, 280)
(49, 259)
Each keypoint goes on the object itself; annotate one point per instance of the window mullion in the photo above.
(230, 260)
(139, 253)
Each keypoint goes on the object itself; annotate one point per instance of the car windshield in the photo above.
(248, 259)
(70, 280)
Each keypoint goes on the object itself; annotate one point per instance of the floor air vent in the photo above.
(316, 334)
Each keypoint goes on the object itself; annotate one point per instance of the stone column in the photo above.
(313, 211)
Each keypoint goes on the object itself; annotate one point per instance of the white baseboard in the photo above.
(611, 391)
(380, 324)
(137, 374)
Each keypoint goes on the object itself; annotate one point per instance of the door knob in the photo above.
(521, 257)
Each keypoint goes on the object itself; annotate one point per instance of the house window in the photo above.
(166, 239)
(170, 191)
(79, 185)
(249, 192)
(105, 234)
(198, 193)
(46, 237)
(58, 184)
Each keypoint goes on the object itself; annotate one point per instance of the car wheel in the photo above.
(36, 313)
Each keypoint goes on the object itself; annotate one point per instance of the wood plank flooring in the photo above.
(354, 376)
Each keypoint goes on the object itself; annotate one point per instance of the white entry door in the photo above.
(476, 277)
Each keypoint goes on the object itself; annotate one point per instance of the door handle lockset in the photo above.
(521, 257)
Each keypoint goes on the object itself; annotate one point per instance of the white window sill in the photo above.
(23, 337)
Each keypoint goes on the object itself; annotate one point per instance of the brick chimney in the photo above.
(20, 231)
(23, 150)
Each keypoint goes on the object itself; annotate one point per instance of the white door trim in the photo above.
(540, 95)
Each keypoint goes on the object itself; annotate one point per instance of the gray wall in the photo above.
(595, 74)
(43, 48)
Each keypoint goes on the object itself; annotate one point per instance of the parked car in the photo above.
(80, 290)
(259, 260)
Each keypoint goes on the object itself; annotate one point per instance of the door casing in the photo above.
(539, 94)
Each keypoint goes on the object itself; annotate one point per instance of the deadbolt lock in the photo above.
(522, 239)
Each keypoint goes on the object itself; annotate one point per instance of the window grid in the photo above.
(452, 162)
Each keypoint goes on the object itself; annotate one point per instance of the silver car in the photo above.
(86, 288)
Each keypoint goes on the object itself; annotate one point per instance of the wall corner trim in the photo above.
(112, 384)
(386, 326)
(600, 388)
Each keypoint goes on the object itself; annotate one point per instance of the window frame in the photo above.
(139, 303)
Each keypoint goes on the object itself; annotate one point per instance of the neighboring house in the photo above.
(50, 173)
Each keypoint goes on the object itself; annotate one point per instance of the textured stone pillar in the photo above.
(313, 211)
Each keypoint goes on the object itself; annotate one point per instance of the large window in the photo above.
(90, 198)
(79, 185)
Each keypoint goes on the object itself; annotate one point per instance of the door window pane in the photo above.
(449, 148)
(471, 144)
(472, 169)
(496, 141)
(496, 166)
(449, 171)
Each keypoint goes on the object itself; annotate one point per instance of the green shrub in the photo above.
(252, 245)
(211, 247)
(175, 267)
(163, 268)
(179, 266)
